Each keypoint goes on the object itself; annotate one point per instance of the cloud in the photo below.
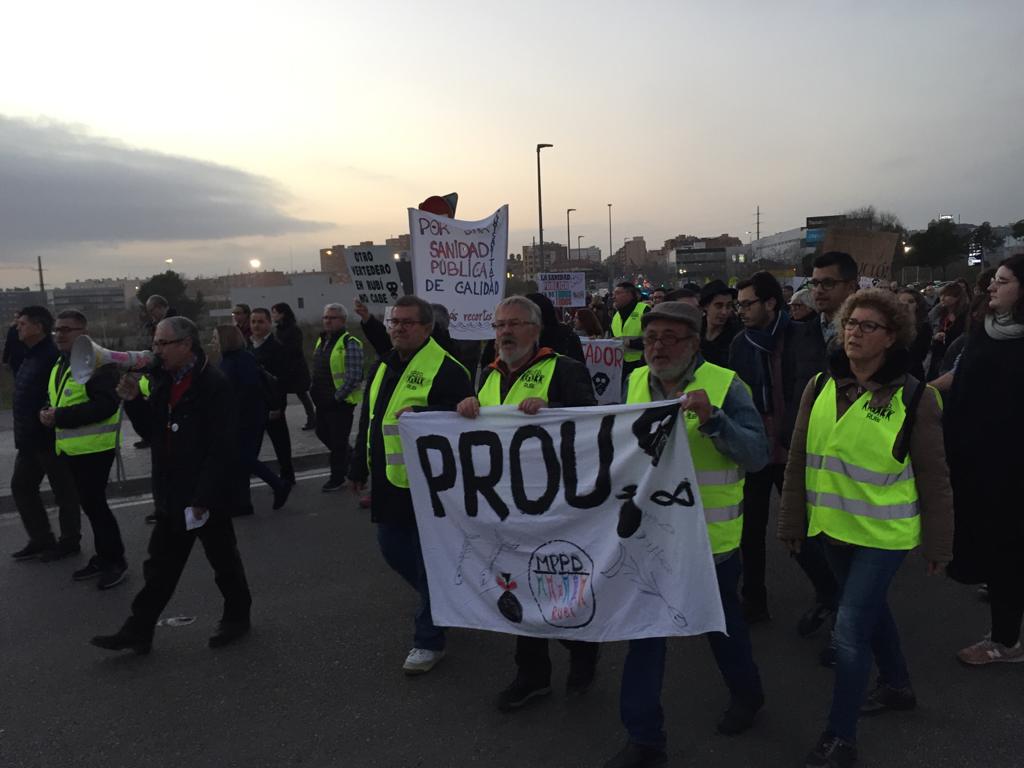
(61, 184)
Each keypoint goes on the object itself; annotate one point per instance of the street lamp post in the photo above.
(610, 253)
(568, 234)
(540, 207)
(579, 253)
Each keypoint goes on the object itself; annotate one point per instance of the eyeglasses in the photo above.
(668, 340)
(512, 325)
(743, 306)
(333, 317)
(67, 329)
(161, 343)
(827, 284)
(403, 323)
(866, 326)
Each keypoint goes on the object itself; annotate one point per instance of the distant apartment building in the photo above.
(97, 298)
(537, 259)
(630, 258)
(788, 247)
(332, 259)
(13, 299)
(306, 292)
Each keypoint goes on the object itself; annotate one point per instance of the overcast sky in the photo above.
(213, 133)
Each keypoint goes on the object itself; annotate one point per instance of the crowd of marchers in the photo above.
(887, 418)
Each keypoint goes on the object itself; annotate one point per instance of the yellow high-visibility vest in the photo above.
(533, 382)
(719, 478)
(632, 327)
(857, 491)
(412, 390)
(91, 438)
(338, 366)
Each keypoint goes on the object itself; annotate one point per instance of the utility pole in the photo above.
(758, 222)
(39, 265)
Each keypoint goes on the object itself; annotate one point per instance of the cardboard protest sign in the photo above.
(375, 278)
(576, 523)
(565, 289)
(461, 264)
(604, 362)
(873, 251)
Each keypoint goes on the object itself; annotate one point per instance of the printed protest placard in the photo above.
(577, 523)
(461, 264)
(374, 272)
(565, 289)
(604, 361)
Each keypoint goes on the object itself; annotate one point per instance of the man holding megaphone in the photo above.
(190, 420)
(86, 421)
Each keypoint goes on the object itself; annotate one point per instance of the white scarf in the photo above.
(1003, 327)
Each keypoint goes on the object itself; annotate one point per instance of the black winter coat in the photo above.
(30, 397)
(272, 358)
(296, 378)
(389, 503)
(193, 445)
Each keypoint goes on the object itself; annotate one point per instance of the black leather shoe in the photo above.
(635, 755)
(32, 550)
(280, 497)
(59, 552)
(127, 637)
(228, 632)
(739, 717)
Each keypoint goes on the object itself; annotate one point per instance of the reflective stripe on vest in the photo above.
(632, 327)
(857, 491)
(533, 382)
(90, 438)
(144, 386)
(412, 390)
(719, 478)
(338, 366)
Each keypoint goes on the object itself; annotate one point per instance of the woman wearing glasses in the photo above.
(867, 471)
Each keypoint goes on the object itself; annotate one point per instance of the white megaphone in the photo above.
(86, 356)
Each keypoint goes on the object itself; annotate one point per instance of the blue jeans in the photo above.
(864, 629)
(642, 674)
(400, 545)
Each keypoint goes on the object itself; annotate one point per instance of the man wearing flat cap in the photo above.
(726, 439)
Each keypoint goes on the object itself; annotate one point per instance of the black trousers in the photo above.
(169, 548)
(307, 403)
(91, 471)
(1006, 593)
(29, 468)
(757, 491)
(281, 439)
(534, 663)
(333, 426)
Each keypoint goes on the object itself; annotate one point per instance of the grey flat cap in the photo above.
(677, 312)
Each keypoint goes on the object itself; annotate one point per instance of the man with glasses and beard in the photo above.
(726, 438)
(416, 374)
(533, 377)
(189, 417)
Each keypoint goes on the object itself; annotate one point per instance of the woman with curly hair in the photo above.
(867, 471)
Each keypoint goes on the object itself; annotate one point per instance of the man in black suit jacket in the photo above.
(271, 356)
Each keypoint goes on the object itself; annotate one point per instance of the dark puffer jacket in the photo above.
(30, 397)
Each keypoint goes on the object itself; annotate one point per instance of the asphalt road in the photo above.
(319, 681)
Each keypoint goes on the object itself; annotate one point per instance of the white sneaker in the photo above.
(420, 661)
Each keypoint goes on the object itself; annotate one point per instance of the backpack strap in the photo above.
(913, 391)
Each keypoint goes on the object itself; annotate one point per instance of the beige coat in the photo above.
(927, 455)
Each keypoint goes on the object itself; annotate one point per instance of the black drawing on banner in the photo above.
(508, 603)
(629, 513)
(392, 289)
(467, 544)
(500, 546)
(601, 382)
(645, 581)
(560, 580)
(683, 496)
(653, 428)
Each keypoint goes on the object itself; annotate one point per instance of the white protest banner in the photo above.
(565, 289)
(374, 274)
(604, 361)
(577, 523)
(461, 264)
